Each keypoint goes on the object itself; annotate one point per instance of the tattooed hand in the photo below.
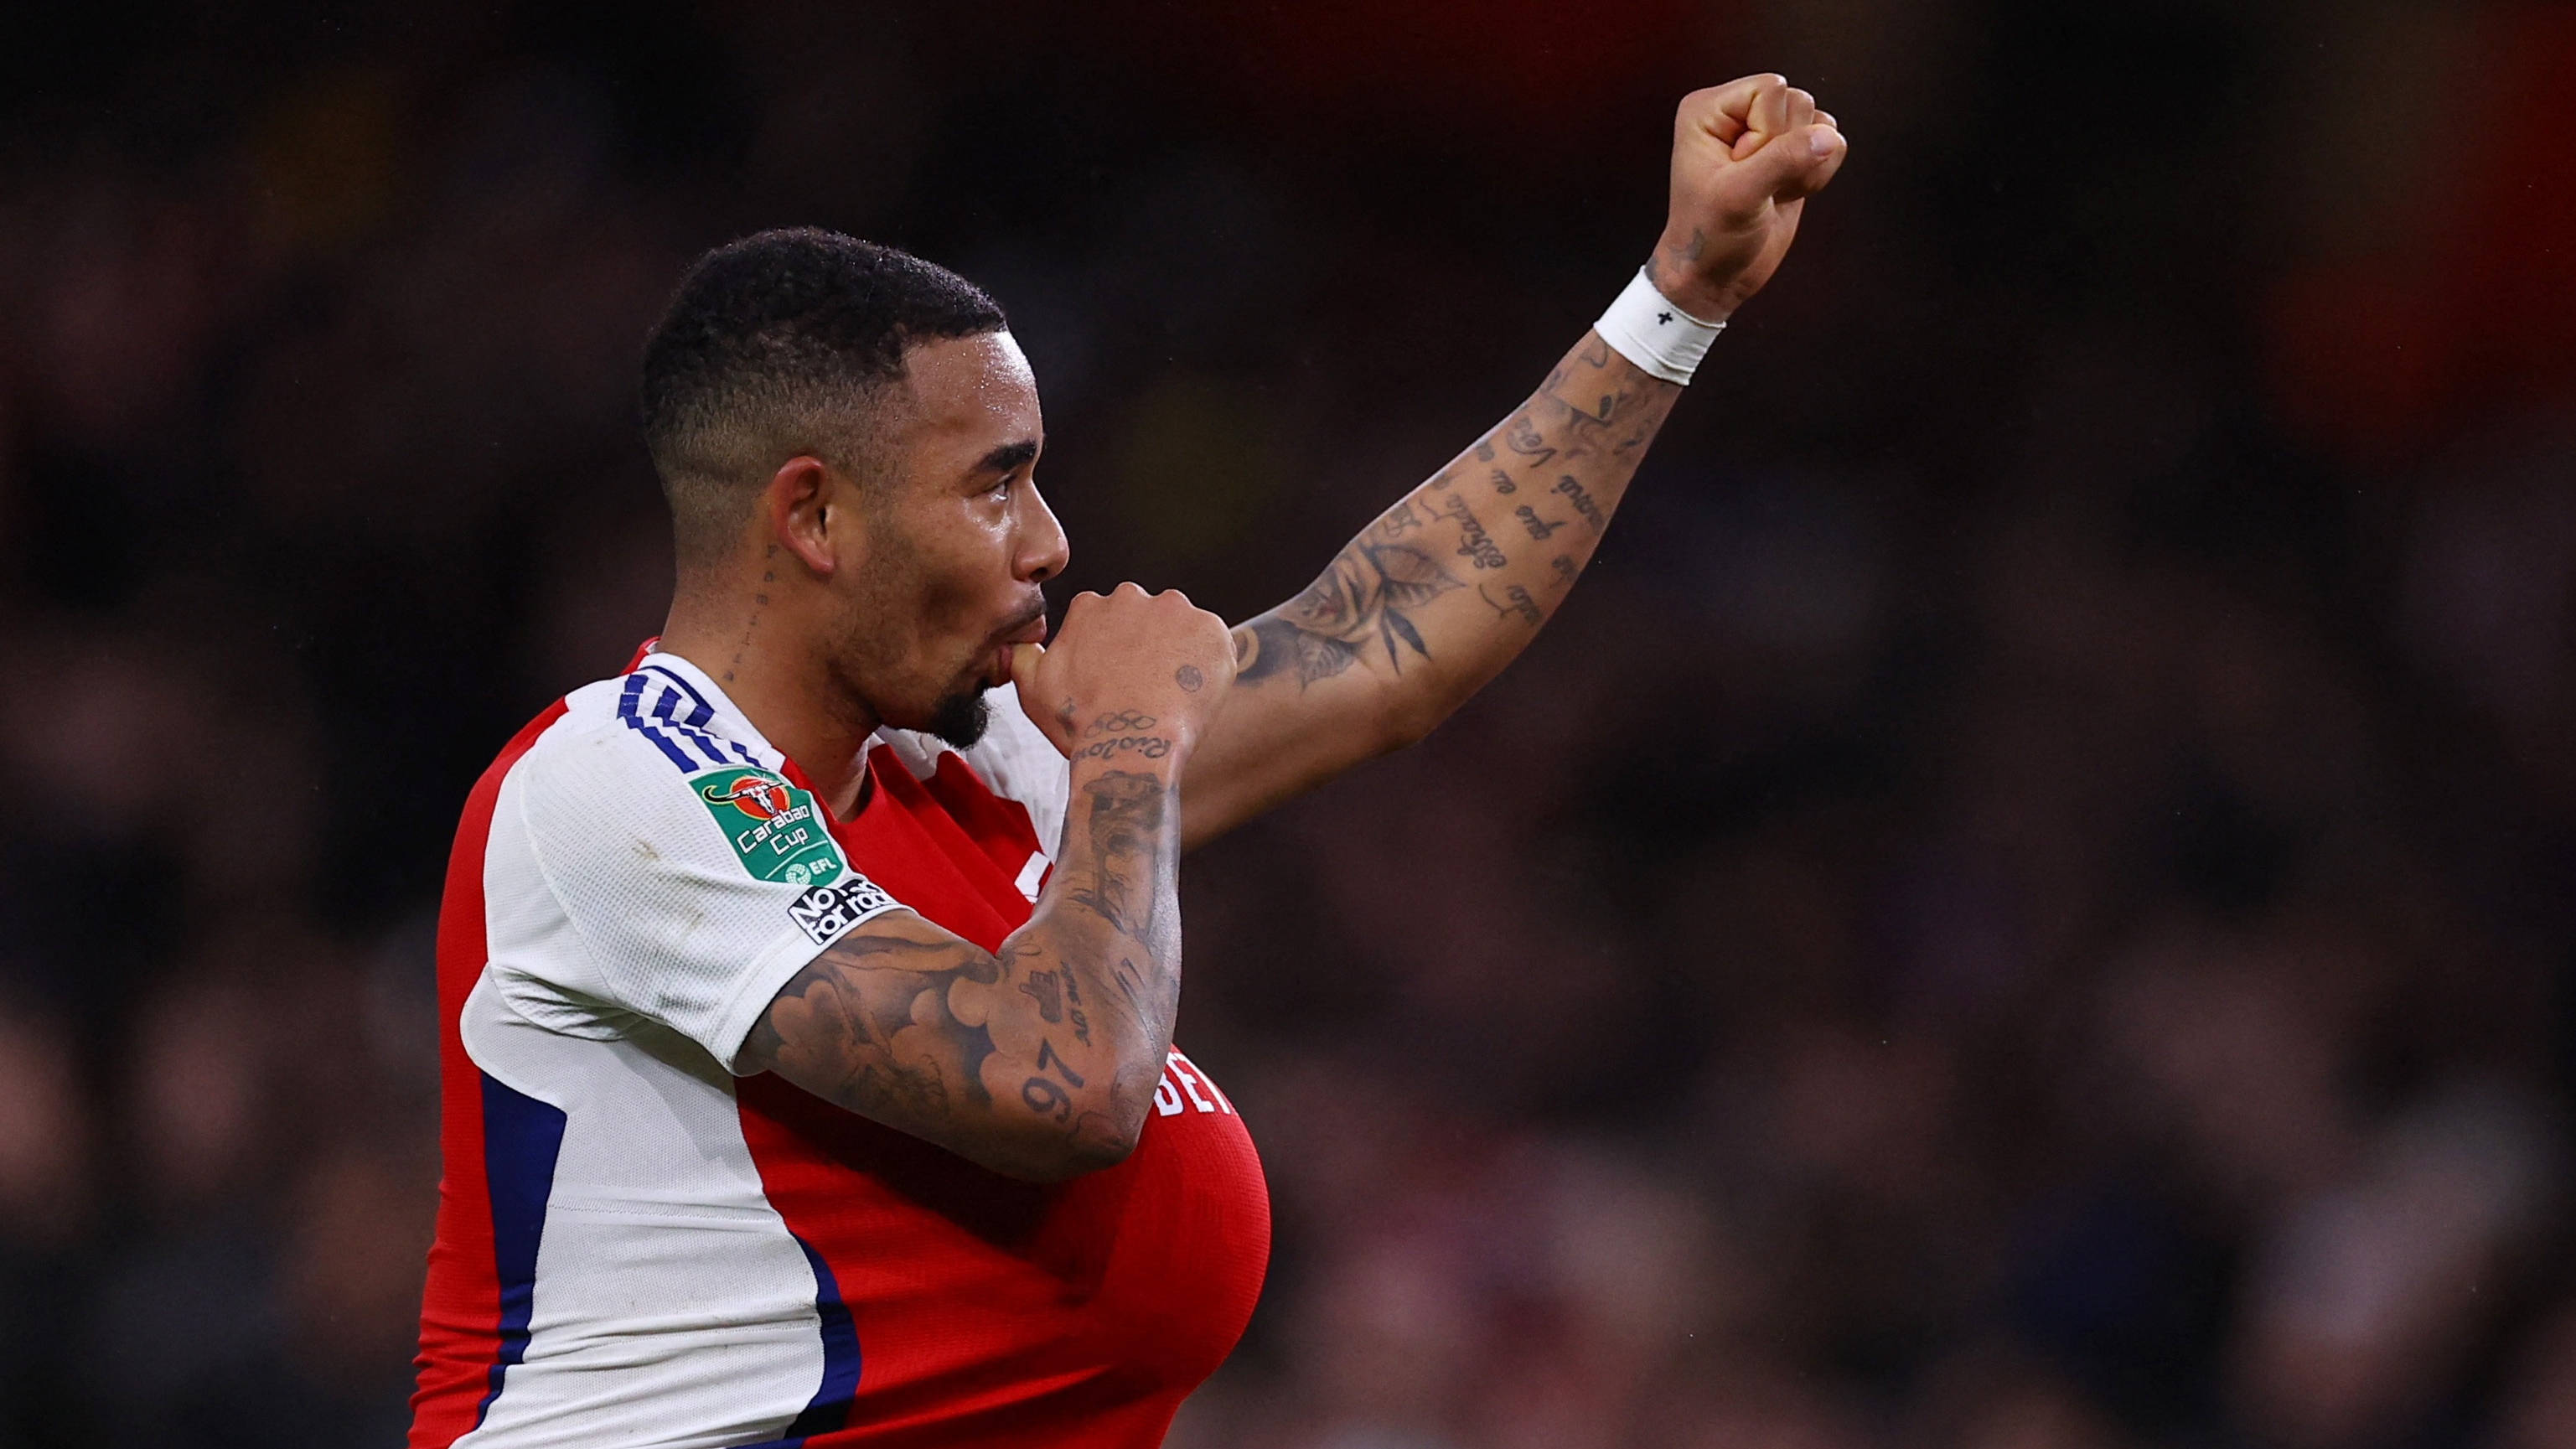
(1129, 655)
(1746, 156)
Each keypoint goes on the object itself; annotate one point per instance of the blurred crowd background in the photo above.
(2027, 903)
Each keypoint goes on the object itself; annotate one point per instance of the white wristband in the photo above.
(1645, 327)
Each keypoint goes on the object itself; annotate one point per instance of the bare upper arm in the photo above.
(908, 1024)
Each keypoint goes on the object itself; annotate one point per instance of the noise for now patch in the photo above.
(824, 912)
(772, 825)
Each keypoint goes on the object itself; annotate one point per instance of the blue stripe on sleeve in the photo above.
(630, 709)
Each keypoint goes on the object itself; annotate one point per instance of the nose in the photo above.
(1043, 548)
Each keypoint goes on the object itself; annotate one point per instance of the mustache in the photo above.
(1036, 610)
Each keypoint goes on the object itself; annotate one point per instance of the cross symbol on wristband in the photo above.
(1663, 317)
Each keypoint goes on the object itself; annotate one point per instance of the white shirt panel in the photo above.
(669, 1294)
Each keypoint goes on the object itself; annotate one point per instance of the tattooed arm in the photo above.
(1449, 585)
(1035, 1060)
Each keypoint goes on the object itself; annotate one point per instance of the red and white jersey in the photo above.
(638, 1248)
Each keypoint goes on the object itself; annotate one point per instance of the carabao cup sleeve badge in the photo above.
(773, 826)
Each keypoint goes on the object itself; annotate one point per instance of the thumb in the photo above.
(1788, 167)
(1024, 662)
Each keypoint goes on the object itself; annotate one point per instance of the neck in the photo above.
(770, 670)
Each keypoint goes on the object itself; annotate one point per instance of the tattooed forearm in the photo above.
(1518, 604)
(1366, 599)
(1124, 818)
(1523, 437)
(1474, 544)
(1574, 493)
(1539, 528)
(1382, 607)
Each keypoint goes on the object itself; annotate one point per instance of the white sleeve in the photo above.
(1017, 761)
(696, 895)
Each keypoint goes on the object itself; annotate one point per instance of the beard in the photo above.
(961, 719)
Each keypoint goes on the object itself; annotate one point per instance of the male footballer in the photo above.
(807, 990)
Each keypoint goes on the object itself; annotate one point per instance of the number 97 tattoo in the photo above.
(1045, 1098)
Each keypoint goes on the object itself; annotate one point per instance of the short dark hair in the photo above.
(776, 345)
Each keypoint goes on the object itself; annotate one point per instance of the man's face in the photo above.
(958, 540)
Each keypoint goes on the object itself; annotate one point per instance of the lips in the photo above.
(1032, 632)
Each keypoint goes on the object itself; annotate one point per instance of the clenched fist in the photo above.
(1131, 655)
(1746, 156)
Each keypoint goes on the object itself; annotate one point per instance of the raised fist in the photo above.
(1746, 156)
(1127, 656)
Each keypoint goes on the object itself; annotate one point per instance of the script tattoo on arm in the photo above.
(1124, 731)
(1539, 528)
(1523, 437)
(1378, 647)
(1474, 544)
(1521, 605)
(1575, 493)
(1578, 438)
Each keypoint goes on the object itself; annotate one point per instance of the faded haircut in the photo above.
(782, 344)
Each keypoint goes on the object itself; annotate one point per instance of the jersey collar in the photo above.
(736, 724)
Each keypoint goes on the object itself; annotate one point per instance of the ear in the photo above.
(811, 514)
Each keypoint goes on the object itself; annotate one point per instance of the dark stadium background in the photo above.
(2027, 905)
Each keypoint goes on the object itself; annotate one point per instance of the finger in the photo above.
(1776, 112)
(1024, 661)
(1783, 168)
(1826, 118)
(1801, 108)
(1826, 144)
(1722, 111)
(1769, 115)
